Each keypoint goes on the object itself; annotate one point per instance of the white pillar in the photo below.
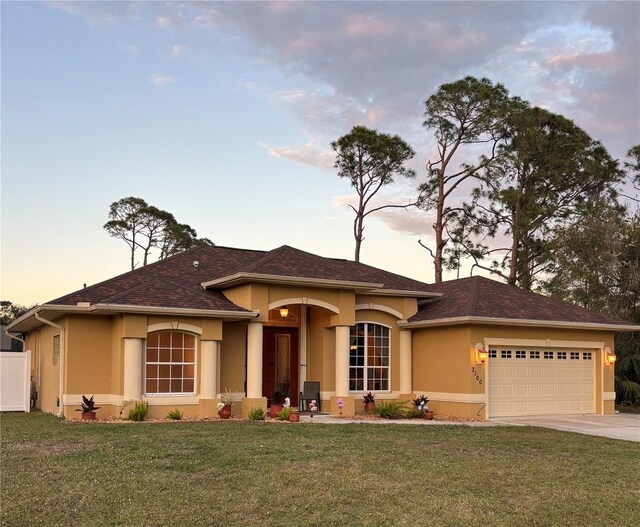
(342, 361)
(254, 360)
(133, 368)
(406, 385)
(209, 369)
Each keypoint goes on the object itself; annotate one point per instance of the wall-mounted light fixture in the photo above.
(609, 357)
(284, 312)
(480, 353)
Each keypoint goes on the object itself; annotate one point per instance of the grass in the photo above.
(255, 473)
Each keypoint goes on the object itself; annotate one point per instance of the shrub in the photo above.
(257, 414)
(88, 405)
(369, 397)
(175, 414)
(139, 411)
(389, 409)
(413, 413)
(283, 415)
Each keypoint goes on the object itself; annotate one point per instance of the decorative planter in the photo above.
(88, 416)
(368, 407)
(294, 417)
(225, 413)
(428, 415)
(274, 409)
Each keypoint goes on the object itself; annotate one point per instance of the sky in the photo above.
(223, 114)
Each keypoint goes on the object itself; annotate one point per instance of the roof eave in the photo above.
(494, 321)
(20, 324)
(405, 292)
(243, 278)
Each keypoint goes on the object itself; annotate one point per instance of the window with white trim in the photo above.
(505, 354)
(170, 363)
(521, 354)
(534, 354)
(56, 350)
(369, 357)
(586, 355)
(492, 354)
(548, 354)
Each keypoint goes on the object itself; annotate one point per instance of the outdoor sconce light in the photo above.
(284, 311)
(609, 357)
(480, 353)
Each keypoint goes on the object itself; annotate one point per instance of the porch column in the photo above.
(209, 369)
(133, 368)
(254, 360)
(342, 361)
(406, 374)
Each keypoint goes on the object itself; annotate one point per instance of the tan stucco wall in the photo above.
(443, 361)
(89, 355)
(40, 342)
(233, 357)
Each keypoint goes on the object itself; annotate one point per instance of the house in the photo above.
(177, 332)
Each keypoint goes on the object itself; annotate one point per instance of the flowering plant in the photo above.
(340, 405)
(313, 407)
(287, 402)
(220, 406)
(421, 403)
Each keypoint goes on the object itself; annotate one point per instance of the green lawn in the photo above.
(260, 474)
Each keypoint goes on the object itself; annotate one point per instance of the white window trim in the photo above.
(195, 369)
(361, 392)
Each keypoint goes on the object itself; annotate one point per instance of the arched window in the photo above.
(369, 357)
(170, 363)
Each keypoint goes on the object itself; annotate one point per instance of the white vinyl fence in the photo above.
(15, 381)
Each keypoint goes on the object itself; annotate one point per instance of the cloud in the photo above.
(178, 49)
(161, 80)
(308, 154)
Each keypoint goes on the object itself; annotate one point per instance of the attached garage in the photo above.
(529, 381)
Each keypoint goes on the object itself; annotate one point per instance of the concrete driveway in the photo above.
(619, 426)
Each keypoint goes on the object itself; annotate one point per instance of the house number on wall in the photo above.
(475, 374)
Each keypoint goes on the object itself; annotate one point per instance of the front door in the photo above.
(280, 362)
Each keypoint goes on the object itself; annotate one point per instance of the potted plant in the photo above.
(277, 400)
(226, 400)
(88, 409)
(422, 404)
(369, 400)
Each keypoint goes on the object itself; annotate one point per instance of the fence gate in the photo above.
(15, 381)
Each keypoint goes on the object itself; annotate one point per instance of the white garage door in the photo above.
(525, 381)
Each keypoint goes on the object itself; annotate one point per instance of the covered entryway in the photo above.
(280, 362)
(529, 381)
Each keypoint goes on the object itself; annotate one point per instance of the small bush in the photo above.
(257, 414)
(139, 411)
(389, 409)
(175, 414)
(414, 413)
(283, 415)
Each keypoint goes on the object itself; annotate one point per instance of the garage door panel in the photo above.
(537, 385)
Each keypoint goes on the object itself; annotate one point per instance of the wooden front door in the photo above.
(280, 362)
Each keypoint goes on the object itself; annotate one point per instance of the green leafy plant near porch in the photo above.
(139, 411)
(389, 409)
(175, 414)
(228, 398)
(257, 414)
(283, 415)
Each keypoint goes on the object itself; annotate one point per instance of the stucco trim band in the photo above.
(241, 278)
(516, 322)
(474, 398)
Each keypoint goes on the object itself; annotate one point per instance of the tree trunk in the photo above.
(439, 228)
(357, 232)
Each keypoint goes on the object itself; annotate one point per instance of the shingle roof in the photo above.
(289, 261)
(173, 282)
(478, 296)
